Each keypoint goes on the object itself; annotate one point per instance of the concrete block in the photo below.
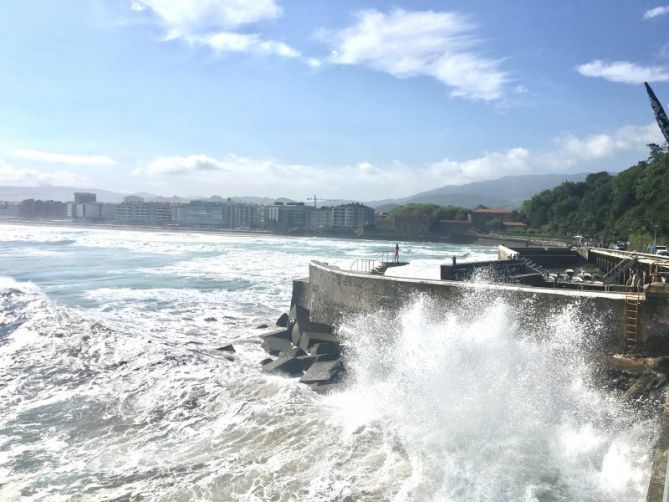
(274, 345)
(286, 363)
(295, 334)
(309, 338)
(308, 360)
(279, 333)
(321, 371)
(301, 316)
(327, 350)
(282, 321)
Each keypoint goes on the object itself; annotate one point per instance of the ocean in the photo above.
(112, 387)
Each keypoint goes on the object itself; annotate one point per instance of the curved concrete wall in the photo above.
(331, 293)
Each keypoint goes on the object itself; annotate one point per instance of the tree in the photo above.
(604, 204)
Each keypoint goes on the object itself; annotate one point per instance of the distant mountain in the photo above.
(64, 194)
(509, 191)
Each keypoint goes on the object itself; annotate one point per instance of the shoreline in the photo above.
(221, 231)
(476, 240)
(139, 228)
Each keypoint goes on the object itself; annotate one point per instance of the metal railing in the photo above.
(369, 264)
(363, 265)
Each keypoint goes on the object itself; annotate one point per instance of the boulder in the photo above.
(282, 321)
(274, 345)
(227, 348)
(322, 372)
(265, 361)
(262, 326)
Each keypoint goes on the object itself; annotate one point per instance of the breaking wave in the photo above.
(486, 411)
(112, 387)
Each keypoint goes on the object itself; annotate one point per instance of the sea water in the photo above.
(111, 387)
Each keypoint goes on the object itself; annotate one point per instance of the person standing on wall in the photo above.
(397, 252)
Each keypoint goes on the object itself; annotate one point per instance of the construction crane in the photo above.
(316, 199)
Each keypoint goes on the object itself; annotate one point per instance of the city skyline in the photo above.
(353, 101)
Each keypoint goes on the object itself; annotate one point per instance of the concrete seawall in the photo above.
(331, 293)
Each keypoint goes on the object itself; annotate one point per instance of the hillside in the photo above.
(508, 191)
(608, 206)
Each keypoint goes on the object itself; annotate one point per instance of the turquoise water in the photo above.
(111, 387)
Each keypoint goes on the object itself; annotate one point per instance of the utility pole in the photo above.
(655, 239)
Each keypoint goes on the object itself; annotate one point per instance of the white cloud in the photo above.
(493, 165)
(59, 158)
(184, 165)
(237, 175)
(213, 23)
(314, 63)
(600, 146)
(240, 42)
(186, 17)
(624, 72)
(441, 45)
(657, 11)
(16, 176)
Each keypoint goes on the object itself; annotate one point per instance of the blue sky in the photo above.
(343, 99)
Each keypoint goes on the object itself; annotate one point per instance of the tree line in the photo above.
(627, 205)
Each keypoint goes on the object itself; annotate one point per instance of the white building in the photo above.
(200, 214)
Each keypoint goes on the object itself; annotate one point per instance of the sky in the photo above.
(343, 99)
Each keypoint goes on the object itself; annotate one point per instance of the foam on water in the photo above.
(111, 385)
(486, 411)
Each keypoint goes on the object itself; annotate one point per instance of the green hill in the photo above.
(604, 206)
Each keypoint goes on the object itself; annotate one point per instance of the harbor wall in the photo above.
(331, 293)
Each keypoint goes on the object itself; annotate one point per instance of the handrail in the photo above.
(368, 264)
(362, 265)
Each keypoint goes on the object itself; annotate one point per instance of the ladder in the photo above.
(631, 333)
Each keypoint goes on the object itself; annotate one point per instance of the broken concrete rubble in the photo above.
(321, 371)
(306, 349)
(287, 362)
(282, 321)
(326, 350)
(275, 345)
